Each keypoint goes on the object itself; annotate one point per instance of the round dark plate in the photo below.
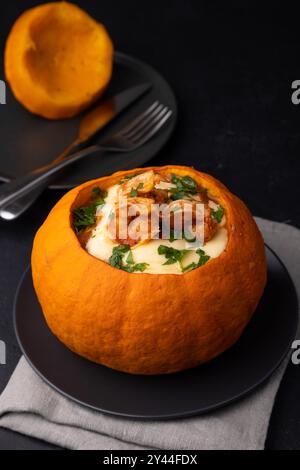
(259, 351)
(28, 141)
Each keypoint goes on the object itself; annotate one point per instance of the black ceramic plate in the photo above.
(246, 365)
(28, 141)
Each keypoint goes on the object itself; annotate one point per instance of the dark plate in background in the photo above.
(28, 141)
(259, 351)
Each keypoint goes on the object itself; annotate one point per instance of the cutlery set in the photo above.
(19, 194)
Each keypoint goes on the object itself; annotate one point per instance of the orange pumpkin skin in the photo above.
(147, 323)
(58, 60)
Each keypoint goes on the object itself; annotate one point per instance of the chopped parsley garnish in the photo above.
(218, 214)
(99, 196)
(172, 255)
(177, 195)
(189, 184)
(85, 216)
(131, 268)
(174, 235)
(129, 259)
(134, 191)
(185, 187)
(179, 235)
(203, 258)
(117, 257)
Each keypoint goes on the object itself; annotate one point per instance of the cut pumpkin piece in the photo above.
(58, 60)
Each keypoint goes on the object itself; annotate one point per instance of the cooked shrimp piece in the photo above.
(142, 183)
(210, 224)
(182, 206)
(131, 223)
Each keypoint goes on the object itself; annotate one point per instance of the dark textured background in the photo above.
(231, 67)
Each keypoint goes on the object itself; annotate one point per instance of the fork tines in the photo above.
(144, 126)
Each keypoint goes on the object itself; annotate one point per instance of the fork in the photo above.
(139, 131)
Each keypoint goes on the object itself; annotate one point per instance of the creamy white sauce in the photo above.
(100, 244)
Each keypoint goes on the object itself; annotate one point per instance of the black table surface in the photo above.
(231, 67)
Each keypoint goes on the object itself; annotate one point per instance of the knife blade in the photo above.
(96, 119)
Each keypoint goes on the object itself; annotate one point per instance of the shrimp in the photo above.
(142, 183)
(184, 206)
(149, 185)
(132, 221)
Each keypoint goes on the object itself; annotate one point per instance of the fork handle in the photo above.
(10, 192)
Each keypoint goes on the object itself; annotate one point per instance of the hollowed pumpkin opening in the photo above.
(153, 222)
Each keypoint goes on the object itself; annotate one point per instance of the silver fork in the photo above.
(134, 135)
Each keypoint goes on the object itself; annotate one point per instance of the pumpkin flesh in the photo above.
(58, 60)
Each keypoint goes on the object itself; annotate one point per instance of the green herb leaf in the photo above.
(117, 256)
(218, 214)
(180, 235)
(98, 193)
(203, 258)
(99, 202)
(177, 180)
(189, 267)
(189, 236)
(139, 267)
(178, 195)
(84, 217)
(129, 259)
(134, 192)
(115, 260)
(122, 249)
(175, 235)
(189, 183)
(185, 187)
(172, 255)
(172, 236)
(170, 261)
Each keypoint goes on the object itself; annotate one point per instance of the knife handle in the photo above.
(33, 182)
(14, 209)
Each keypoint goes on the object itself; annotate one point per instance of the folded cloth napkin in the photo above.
(30, 406)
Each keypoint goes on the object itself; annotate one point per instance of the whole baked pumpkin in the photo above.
(134, 319)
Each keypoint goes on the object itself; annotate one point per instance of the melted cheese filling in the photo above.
(101, 245)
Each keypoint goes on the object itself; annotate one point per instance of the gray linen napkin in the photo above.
(30, 406)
